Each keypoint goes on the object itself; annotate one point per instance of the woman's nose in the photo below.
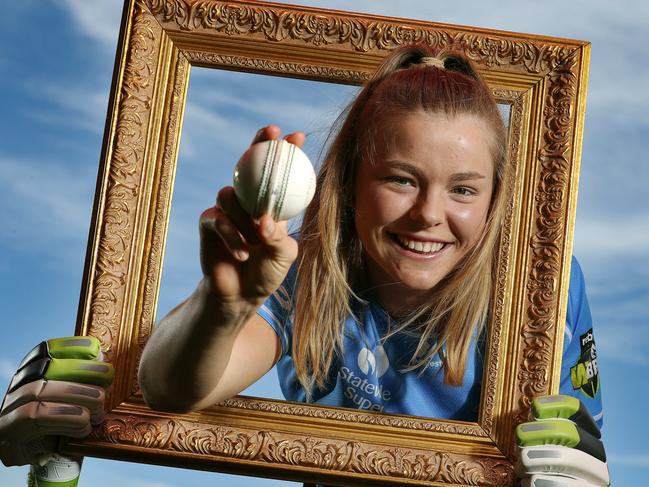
(428, 209)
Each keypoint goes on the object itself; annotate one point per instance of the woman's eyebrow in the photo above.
(466, 176)
(404, 166)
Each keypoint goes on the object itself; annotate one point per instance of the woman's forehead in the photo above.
(422, 136)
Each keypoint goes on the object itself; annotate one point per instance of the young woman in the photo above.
(380, 300)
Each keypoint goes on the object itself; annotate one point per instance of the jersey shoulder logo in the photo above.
(584, 375)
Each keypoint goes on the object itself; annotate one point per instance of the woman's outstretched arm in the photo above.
(213, 345)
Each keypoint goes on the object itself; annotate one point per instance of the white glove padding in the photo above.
(561, 447)
(560, 466)
(554, 481)
(41, 404)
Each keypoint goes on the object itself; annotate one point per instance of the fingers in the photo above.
(271, 132)
(244, 223)
(77, 347)
(36, 419)
(72, 370)
(237, 230)
(279, 245)
(296, 138)
(57, 390)
(272, 233)
(561, 460)
(48, 360)
(90, 397)
(29, 431)
(559, 432)
(215, 228)
(228, 223)
(567, 407)
(84, 371)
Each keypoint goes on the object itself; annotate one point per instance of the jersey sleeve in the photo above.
(277, 311)
(579, 371)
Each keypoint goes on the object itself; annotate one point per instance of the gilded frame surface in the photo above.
(542, 79)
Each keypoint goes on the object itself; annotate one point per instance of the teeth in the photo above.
(424, 247)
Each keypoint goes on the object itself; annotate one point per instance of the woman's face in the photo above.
(423, 202)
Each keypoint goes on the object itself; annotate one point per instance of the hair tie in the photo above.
(432, 61)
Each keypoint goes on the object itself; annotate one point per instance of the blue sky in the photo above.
(56, 61)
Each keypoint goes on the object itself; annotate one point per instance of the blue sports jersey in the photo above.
(369, 376)
(579, 372)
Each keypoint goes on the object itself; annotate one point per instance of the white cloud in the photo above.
(202, 128)
(44, 201)
(617, 79)
(553, 18)
(315, 113)
(623, 343)
(74, 106)
(98, 20)
(625, 234)
(618, 290)
(225, 109)
(619, 73)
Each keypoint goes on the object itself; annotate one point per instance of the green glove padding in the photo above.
(562, 420)
(559, 432)
(58, 390)
(71, 359)
(567, 407)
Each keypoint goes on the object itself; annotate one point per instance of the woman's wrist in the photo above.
(234, 310)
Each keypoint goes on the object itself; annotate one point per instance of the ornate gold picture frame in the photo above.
(543, 80)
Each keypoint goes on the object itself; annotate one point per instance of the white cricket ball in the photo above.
(274, 177)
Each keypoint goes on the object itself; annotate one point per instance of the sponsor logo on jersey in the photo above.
(375, 363)
(362, 387)
(363, 393)
(585, 374)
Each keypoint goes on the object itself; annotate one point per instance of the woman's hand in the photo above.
(561, 446)
(242, 258)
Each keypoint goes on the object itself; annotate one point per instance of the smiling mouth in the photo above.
(418, 246)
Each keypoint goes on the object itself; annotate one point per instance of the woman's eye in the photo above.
(401, 181)
(463, 191)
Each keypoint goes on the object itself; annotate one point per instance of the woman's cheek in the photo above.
(380, 206)
(469, 222)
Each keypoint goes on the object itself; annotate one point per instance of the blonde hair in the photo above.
(330, 264)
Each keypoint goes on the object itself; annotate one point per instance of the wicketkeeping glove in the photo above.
(561, 447)
(58, 390)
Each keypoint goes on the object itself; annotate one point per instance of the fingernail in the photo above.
(241, 254)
